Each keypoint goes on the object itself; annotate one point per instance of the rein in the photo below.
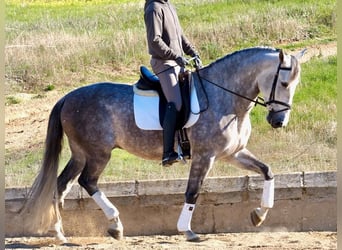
(259, 100)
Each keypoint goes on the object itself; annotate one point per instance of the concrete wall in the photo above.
(303, 202)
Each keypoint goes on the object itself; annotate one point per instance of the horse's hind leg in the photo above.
(88, 180)
(68, 176)
(248, 161)
(64, 183)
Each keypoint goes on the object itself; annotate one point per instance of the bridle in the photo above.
(272, 99)
(259, 100)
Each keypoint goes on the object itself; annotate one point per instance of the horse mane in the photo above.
(244, 51)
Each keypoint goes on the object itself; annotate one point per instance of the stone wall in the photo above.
(303, 202)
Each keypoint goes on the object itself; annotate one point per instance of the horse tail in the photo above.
(40, 208)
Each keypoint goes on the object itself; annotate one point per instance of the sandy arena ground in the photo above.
(262, 240)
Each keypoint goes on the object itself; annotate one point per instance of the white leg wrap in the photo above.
(267, 199)
(107, 207)
(184, 221)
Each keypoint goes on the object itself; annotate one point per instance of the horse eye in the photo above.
(284, 84)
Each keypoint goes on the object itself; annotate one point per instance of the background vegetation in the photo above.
(63, 44)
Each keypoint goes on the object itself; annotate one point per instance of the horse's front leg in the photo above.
(248, 161)
(198, 171)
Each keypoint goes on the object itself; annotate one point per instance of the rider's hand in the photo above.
(198, 62)
(181, 61)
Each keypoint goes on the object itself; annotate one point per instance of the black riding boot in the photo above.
(169, 128)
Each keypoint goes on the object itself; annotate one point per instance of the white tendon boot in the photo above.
(112, 213)
(267, 201)
(184, 222)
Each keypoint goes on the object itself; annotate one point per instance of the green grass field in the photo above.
(61, 45)
(71, 43)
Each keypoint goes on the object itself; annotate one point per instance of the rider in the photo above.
(167, 46)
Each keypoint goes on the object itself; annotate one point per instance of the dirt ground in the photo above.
(26, 124)
(262, 240)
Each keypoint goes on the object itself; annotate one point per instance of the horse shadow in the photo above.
(18, 245)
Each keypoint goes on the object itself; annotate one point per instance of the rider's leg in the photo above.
(169, 127)
(170, 86)
(168, 72)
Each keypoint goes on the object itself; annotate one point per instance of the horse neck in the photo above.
(238, 74)
(231, 76)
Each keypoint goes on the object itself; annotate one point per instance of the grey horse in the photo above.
(98, 118)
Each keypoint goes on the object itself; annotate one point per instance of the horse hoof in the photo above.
(62, 240)
(116, 229)
(257, 217)
(191, 236)
(59, 232)
(116, 234)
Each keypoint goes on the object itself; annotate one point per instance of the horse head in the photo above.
(279, 94)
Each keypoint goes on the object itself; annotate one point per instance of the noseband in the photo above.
(272, 99)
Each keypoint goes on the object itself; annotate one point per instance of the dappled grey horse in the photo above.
(99, 117)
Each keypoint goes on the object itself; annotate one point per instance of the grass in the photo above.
(70, 43)
(12, 100)
(60, 45)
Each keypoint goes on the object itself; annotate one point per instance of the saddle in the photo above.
(149, 81)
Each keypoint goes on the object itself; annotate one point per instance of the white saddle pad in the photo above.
(146, 108)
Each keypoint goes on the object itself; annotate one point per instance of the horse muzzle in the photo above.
(278, 119)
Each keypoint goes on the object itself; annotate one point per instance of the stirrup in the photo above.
(184, 148)
(172, 157)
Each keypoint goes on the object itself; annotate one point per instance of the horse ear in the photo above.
(301, 54)
(281, 56)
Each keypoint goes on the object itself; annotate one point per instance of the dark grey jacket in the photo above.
(165, 37)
